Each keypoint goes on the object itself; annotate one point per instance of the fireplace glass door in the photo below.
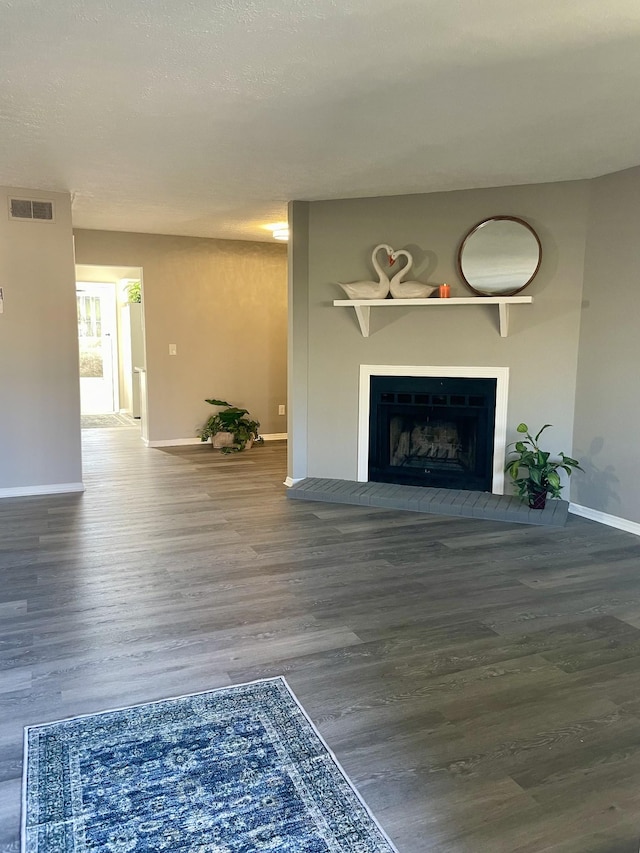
(432, 431)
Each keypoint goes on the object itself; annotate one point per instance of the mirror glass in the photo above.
(499, 256)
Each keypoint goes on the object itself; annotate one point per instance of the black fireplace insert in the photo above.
(432, 431)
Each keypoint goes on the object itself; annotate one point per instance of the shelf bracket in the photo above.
(503, 309)
(363, 313)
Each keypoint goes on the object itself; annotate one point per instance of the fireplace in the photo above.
(435, 431)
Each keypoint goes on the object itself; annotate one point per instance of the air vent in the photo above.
(24, 208)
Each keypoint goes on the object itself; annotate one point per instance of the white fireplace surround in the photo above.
(500, 374)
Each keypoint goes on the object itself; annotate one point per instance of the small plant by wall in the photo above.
(134, 291)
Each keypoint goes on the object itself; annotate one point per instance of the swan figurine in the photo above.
(371, 289)
(407, 289)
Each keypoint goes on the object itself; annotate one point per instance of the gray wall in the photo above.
(39, 385)
(541, 350)
(224, 304)
(298, 348)
(608, 393)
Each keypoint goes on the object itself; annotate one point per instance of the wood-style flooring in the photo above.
(478, 681)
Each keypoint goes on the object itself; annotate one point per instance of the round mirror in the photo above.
(499, 256)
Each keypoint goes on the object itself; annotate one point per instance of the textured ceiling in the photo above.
(204, 117)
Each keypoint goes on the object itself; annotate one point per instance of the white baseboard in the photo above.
(605, 518)
(181, 442)
(173, 442)
(49, 489)
(291, 481)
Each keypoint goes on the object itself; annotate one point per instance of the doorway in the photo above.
(111, 344)
(97, 338)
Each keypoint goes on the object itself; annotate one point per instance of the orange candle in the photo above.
(445, 291)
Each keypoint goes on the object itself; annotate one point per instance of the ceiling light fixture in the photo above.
(279, 230)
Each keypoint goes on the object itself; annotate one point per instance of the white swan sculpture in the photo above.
(407, 289)
(371, 289)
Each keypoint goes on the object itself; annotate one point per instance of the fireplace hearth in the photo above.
(432, 431)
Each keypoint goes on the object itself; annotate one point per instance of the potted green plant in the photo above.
(229, 429)
(541, 477)
(134, 291)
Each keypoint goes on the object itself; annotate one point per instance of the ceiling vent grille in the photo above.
(24, 208)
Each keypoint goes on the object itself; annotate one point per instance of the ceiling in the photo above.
(203, 117)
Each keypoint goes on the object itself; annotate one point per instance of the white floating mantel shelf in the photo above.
(363, 307)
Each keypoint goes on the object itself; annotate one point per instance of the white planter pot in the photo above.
(221, 439)
(225, 439)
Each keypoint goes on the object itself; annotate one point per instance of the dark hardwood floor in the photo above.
(479, 682)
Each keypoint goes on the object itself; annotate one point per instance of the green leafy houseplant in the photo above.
(541, 477)
(134, 291)
(231, 420)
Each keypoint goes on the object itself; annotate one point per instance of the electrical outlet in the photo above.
(282, 410)
(173, 349)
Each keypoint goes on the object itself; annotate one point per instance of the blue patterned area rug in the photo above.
(236, 770)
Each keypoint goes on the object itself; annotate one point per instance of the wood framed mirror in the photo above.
(499, 256)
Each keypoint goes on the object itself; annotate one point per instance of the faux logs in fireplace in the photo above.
(432, 431)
